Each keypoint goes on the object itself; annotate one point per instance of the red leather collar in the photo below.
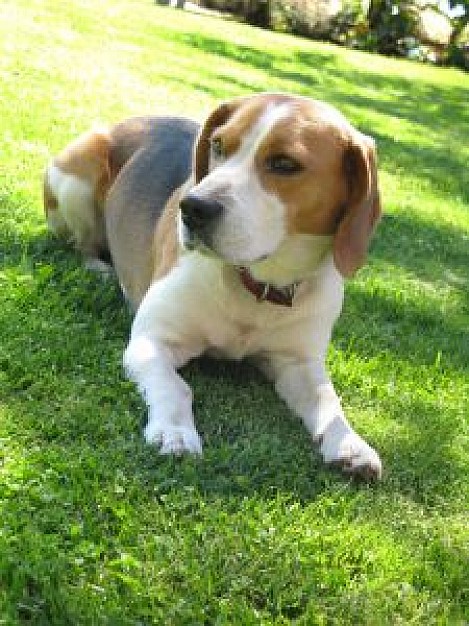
(265, 292)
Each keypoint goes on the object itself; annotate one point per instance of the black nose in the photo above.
(197, 212)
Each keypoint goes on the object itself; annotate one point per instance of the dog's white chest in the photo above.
(241, 342)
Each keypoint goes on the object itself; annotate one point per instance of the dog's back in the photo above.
(78, 181)
(146, 182)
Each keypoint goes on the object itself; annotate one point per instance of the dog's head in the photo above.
(273, 165)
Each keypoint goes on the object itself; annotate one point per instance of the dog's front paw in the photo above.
(342, 447)
(172, 439)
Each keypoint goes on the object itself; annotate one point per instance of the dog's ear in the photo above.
(363, 207)
(202, 147)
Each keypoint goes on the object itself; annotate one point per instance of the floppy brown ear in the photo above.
(363, 207)
(202, 146)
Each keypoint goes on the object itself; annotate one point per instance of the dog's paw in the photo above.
(342, 447)
(173, 439)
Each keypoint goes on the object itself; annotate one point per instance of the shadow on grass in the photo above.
(433, 251)
(438, 166)
(415, 100)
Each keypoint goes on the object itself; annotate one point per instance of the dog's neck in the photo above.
(294, 261)
(277, 278)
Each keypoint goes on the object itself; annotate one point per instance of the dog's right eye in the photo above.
(283, 165)
(217, 148)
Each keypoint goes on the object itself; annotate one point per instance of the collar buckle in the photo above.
(265, 292)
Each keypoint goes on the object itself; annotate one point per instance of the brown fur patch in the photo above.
(202, 148)
(87, 157)
(363, 208)
(166, 246)
(314, 196)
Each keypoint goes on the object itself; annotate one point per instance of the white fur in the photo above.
(294, 260)
(75, 198)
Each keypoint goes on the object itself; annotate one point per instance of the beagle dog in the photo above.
(232, 239)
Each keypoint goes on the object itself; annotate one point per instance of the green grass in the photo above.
(95, 527)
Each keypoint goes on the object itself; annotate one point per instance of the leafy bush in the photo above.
(390, 27)
(458, 55)
(310, 19)
(391, 24)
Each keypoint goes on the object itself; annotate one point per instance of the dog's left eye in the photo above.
(217, 148)
(282, 164)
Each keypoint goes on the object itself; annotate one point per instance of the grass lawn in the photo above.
(95, 527)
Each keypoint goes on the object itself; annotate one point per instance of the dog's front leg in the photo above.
(306, 388)
(152, 365)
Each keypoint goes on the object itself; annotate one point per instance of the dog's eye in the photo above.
(282, 164)
(217, 148)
